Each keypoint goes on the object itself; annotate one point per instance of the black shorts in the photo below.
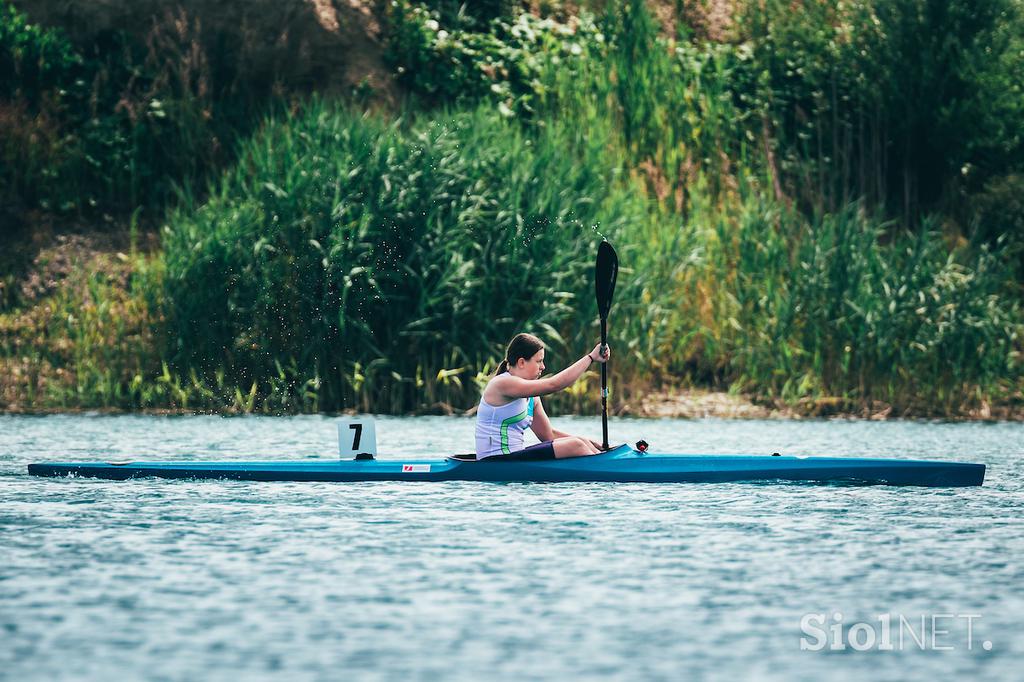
(544, 450)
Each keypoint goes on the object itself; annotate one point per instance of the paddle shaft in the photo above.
(604, 385)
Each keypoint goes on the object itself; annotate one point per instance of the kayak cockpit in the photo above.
(471, 457)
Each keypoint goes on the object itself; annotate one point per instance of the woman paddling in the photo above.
(511, 404)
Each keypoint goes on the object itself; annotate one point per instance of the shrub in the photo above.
(509, 62)
(386, 264)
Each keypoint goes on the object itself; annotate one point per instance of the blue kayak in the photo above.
(621, 464)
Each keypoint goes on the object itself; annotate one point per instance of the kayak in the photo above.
(621, 464)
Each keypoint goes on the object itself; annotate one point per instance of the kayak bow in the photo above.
(621, 464)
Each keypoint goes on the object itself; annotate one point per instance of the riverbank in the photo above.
(344, 256)
(677, 404)
(86, 335)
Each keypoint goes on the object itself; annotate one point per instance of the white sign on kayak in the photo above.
(356, 435)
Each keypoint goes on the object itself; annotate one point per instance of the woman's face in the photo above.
(532, 367)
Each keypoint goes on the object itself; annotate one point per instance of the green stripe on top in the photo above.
(513, 420)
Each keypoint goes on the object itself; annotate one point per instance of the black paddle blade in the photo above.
(604, 279)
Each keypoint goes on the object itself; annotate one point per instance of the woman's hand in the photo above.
(600, 353)
(598, 446)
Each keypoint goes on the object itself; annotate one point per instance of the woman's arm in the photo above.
(513, 387)
(541, 425)
(544, 431)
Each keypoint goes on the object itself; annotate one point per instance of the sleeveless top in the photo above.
(499, 430)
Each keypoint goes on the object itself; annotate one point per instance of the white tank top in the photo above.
(499, 430)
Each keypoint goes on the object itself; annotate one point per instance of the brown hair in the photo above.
(521, 346)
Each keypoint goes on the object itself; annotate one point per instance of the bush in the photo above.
(385, 265)
(119, 123)
(509, 62)
(35, 62)
(40, 73)
(899, 102)
(997, 215)
(91, 339)
(827, 308)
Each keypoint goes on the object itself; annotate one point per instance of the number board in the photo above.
(356, 435)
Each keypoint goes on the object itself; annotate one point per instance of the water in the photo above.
(181, 580)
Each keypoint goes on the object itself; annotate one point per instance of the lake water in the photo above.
(185, 580)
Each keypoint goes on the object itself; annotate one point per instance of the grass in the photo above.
(93, 341)
(387, 262)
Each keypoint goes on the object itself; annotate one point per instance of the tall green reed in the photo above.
(807, 309)
(743, 288)
(91, 343)
(387, 262)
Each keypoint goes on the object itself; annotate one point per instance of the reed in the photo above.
(93, 342)
(386, 261)
(835, 309)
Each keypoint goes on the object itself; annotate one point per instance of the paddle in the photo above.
(604, 283)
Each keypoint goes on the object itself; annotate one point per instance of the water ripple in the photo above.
(155, 579)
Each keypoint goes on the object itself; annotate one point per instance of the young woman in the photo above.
(511, 404)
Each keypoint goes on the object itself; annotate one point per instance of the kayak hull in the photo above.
(620, 465)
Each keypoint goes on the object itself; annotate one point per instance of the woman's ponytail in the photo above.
(502, 367)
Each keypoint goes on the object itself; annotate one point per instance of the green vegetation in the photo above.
(807, 310)
(362, 263)
(815, 208)
(512, 62)
(91, 339)
(110, 128)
